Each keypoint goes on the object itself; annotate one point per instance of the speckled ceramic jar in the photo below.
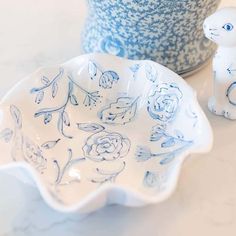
(167, 31)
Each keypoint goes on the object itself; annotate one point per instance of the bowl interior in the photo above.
(99, 120)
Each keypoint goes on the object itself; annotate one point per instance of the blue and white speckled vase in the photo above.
(167, 31)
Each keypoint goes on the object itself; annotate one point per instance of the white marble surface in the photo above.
(39, 33)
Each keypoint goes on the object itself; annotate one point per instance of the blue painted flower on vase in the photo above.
(112, 46)
(162, 31)
(104, 145)
(163, 102)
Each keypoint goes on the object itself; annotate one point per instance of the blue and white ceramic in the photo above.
(221, 29)
(169, 32)
(100, 129)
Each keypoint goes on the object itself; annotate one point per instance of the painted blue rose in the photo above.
(106, 146)
(112, 46)
(163, 102)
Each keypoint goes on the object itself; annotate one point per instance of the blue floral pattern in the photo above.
(63, 170)
(104, 145)
(169, 32)
(155, 179)
(50, 144)
(176, 142)
(6, 134)
(23, 146)
(135, 68)
(163, 102)
(150, 71)
(105, 176)
(63, 120)
(107, 78)
(98, 124)
(112, 46)
(47, 84)
(120, 112)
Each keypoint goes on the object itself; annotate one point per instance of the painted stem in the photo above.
(58, 76)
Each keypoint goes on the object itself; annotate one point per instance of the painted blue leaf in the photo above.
(54, 89)
(143, 153)
(120, 112)
(34, 90)
(47, 118)
(90, 127)
(65, 118)
(91, 99)
(45, 80)
(39, 97)
(92, 69)
(170, 157)
(60, 125)
(73, 100)
(150, 179)
(151, 72)
(160, 128)
(156, 137)
(16, 115)
(6, 134)
(77, 160)
(50, 144)
(179, 134)
(168, 143)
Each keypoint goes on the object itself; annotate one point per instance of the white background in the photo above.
(41, 33)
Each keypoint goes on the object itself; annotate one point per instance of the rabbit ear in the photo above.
(90, 127)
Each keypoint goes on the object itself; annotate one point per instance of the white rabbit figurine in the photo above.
(221, 29)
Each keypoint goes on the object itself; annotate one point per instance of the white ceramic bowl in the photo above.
(99, 129)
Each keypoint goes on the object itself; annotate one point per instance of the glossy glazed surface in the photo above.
(85, 133)
(221, 29)
(169, 32)
(204, 202)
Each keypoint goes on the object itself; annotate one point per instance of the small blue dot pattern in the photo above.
(169, 32)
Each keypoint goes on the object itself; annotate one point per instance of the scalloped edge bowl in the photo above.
(34, 129)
